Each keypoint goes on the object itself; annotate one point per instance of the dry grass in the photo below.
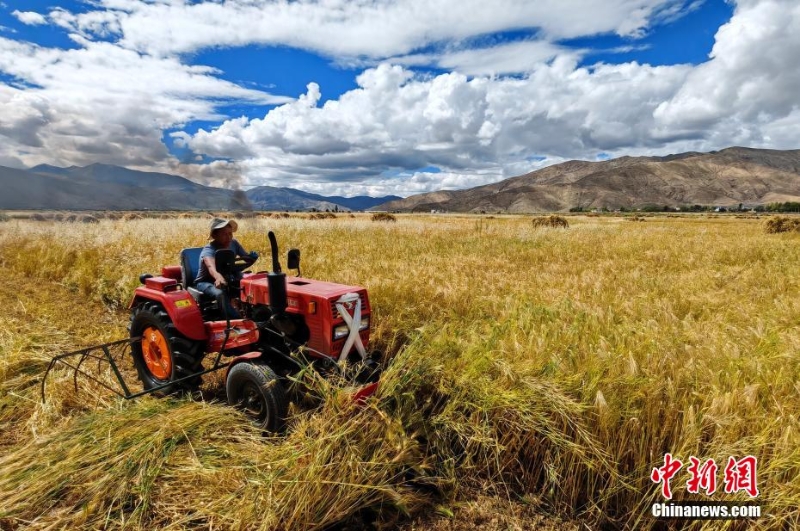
(491, 513)
(551, 366)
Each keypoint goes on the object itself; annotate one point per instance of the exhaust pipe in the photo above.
(276, 281)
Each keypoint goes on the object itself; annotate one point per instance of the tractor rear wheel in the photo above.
(255, 389)
(164, 354)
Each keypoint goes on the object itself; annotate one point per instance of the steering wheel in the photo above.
(243, 262)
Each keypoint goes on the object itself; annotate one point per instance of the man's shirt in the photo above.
(209, 250)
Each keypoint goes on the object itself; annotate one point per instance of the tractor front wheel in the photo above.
(255, 389)
(163, 354)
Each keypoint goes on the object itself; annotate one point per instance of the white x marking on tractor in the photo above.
(353, 323)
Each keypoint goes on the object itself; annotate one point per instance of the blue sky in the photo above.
(378, 97)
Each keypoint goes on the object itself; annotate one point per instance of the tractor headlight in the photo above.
(341, 331)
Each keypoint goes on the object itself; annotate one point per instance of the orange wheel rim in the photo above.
(156, 354)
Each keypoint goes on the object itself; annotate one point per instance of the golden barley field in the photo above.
(545, 369)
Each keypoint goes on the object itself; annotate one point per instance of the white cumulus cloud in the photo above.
(370, 28)
(30, 17)
(751, 80)
(478, 128)
(103, 103)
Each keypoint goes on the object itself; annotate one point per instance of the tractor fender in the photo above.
(250, 356)
(181, 308)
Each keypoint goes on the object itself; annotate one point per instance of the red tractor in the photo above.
(288, 323)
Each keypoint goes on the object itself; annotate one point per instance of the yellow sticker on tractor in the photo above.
(182, 303)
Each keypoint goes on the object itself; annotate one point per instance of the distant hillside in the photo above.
(720, 178)
(106, 187)
(103, 187)
(270, 198)
(361, 202)
(723, 178)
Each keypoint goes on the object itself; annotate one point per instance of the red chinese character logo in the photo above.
(665, 473)
(741, 475)
(703, 477)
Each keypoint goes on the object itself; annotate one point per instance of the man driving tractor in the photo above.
(173, 334)
(209, 281)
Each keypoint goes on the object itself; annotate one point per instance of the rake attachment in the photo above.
(109, 359)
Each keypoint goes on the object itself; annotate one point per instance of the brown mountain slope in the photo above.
(723, 178)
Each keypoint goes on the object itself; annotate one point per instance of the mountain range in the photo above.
(107, 187)
(728, 177)
(719, 178)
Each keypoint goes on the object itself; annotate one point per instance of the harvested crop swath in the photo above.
(556, 222)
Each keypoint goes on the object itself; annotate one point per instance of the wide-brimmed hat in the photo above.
(219, 223)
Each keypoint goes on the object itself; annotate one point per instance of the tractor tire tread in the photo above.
(273, 392)
(187, 355)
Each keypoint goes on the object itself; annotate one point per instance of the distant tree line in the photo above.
(771, 207)
(789, 206)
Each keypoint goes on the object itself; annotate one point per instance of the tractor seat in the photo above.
(190, 265)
